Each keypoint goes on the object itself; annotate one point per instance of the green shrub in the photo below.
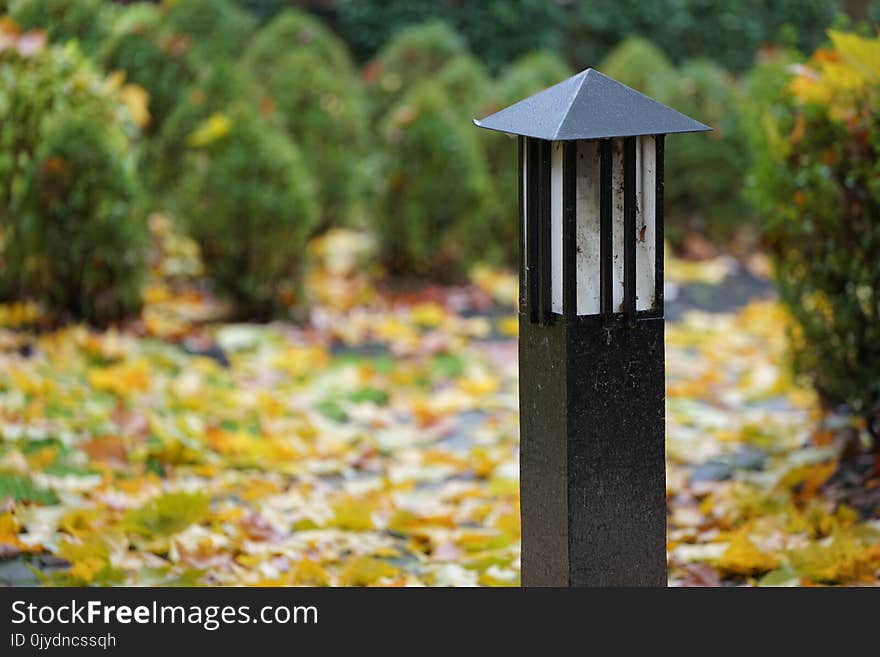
(249, 202)
(413, 56)
(728, 33)
(368, 25)
(164, 49)
(466, 84)
(497, 31)
(295, 31)
(322, 109)
(815, 180)
(315, 91)
(263, 10)
(637, 63)
(215, 29)
(763, 90)
(87, 21)
(72, 237)
(151, 56)
(705, 172)
(528, 75)
(216, 89)
(438, 201)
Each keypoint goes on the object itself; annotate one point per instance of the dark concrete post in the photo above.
(592, 467)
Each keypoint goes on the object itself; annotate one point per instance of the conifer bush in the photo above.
(322, 110)
(150, 55)
(437, 197)
(312, 88)
(295, 31)
(728, 33)
(214, 29)
(705, 172)
(414, 55)
(214, 91)
(637, 63)
(263, 10)
(87, 21)
(467, 85)
(248, 200)
(528, 75)
(71, 233)
(496, 31)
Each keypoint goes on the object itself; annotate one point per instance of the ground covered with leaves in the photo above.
(376, 443)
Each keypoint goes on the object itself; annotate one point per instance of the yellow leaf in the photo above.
(835, 560)
(479, 383)
(475, 540)
(87, 558)
(810, 477)
(87, 569)
(392, 329)
(80, 522)
(860, 52)
(42, 457)
(711, 272)
(216, 127)
(300, 361)
(309, 573)
(428, 315)
(509, 326)
(816, 476)
(137, 100)
(842, 80)
(495, 576)
(355, 514)
(167, 514)
(742, 557)
(503, 286)
(115, 80)
(9, 531)
(122, 379)
(366, 571)
(15, 315)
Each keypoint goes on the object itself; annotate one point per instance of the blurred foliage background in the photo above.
(258, 125)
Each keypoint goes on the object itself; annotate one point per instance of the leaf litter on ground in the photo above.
(377, 443)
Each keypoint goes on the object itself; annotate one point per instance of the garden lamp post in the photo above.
(591, 372)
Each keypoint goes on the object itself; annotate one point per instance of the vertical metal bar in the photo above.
(606, 250)
(658, 225)
(629, 227)
(532, 241)
(545, 247)
(569, 230)
(521, 217)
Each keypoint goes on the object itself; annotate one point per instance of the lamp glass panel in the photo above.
(556, 226)
(646, 226)
(588, 228)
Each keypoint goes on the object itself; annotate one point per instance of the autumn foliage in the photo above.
(816, 182)
(252, 325)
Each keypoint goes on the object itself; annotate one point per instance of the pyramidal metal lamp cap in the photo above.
(589, 105)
